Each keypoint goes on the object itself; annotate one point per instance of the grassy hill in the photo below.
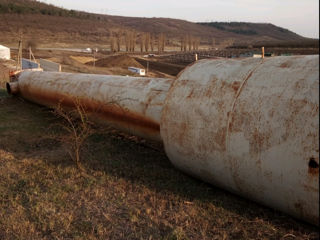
(51, 25)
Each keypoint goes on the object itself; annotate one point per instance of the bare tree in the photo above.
(185, 43)
(118, 40)
(133, 41)
(161, 42)
(112, 44)
(189, 42)
(141, 42)
(146, 41)
(127, 40)
(152, 42)
(213, 43)
(197, 43)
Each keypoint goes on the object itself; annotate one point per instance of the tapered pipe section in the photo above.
(251, 127)
(131, 104)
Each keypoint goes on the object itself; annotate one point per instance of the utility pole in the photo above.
(19, 60)
(147, 67)
(94, 56)
(31, 56)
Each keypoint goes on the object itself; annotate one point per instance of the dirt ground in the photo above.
(130, 190)
(105, 63)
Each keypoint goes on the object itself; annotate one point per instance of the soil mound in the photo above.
(123, 61)
(167, 68)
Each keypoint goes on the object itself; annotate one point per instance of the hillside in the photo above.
(49, 25)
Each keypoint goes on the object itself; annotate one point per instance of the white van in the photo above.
(140, 71)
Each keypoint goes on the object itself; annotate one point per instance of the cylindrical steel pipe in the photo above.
(249, 126)
(131, 104)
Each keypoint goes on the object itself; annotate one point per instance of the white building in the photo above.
(4, 52)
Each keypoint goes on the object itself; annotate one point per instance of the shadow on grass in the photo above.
(136, 163)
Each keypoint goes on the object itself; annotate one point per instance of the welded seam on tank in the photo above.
(236, 98)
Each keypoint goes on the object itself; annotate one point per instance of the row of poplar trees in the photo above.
(148, 42)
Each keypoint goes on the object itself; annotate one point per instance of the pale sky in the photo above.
(299, 16)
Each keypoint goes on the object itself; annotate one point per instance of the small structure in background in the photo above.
(30, 65)
(257, 55)
(50, 66)
(87, 50)
(269, 55)
(149, 55)
(140, 71)
(246, 54)
(4, 52)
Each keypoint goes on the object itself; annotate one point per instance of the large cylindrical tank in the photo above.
(251, 127)
(132, 104)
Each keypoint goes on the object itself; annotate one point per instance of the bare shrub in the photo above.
(75, 127)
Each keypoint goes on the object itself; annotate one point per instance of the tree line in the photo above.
(148, 42)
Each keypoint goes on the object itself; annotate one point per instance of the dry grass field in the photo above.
(130, 190)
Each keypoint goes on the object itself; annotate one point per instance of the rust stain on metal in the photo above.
(220, 139)
(111, 112)
(151, 97)
(190, 94)
(310, 188)
(313, 171)
(235, 85)
(258, 139)
(285, 65)
(181, 137)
